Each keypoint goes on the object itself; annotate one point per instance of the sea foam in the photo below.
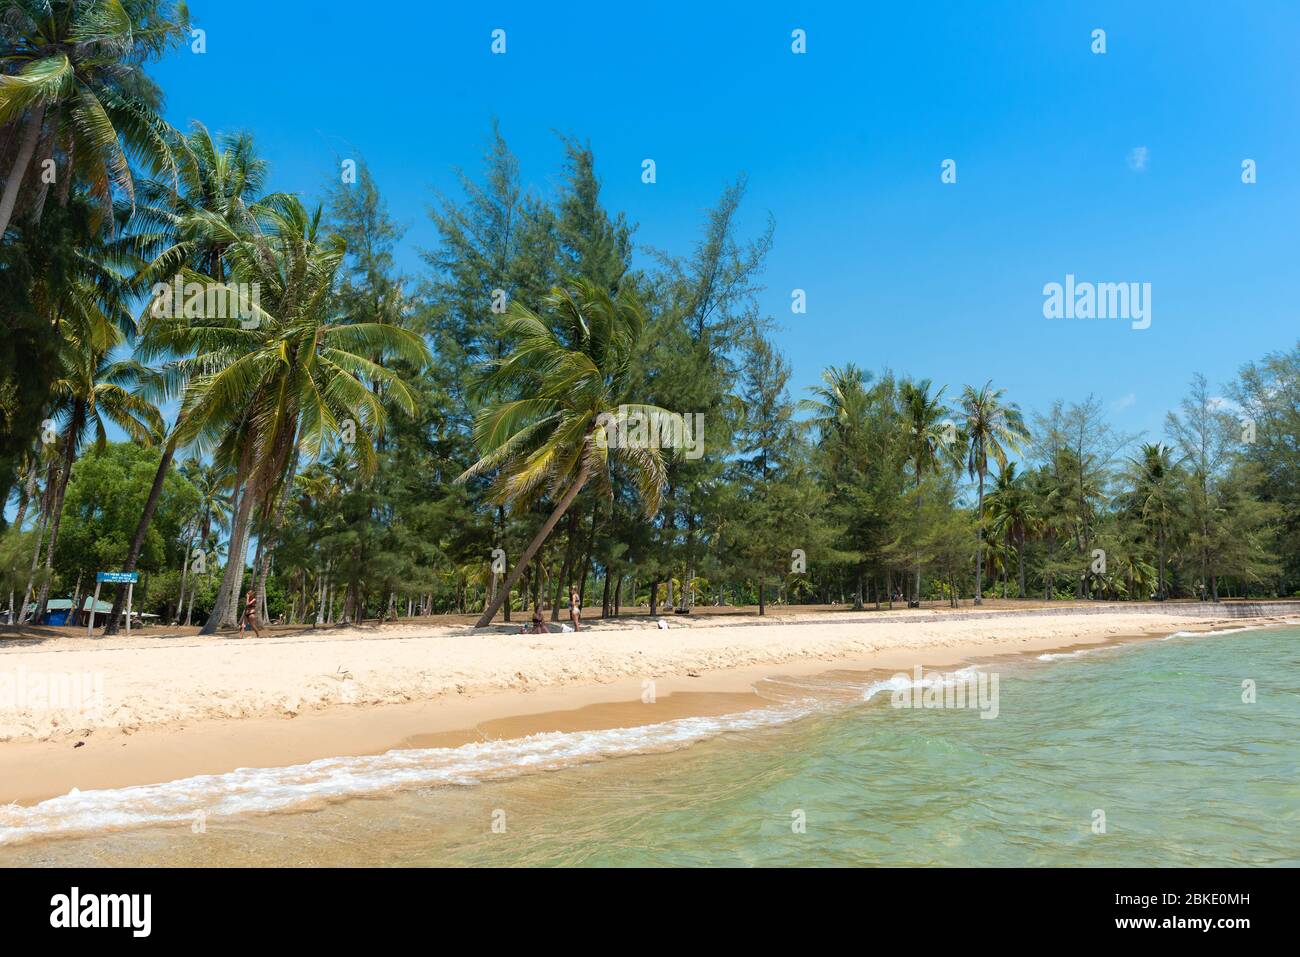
(905, 682)
(297, 787)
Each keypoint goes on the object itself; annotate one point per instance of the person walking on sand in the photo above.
(575, 608)
(250, 616)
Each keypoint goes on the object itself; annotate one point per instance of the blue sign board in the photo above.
(119, 577)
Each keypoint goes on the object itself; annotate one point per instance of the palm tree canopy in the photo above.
(219, 199)
(77, 65)
(295, 371)
(1155, 484)
(567, 368)
(925, 438)
(838, 405)
(992, 428)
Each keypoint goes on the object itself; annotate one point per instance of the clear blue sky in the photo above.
(843, 146)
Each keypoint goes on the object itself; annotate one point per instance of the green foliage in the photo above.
(105, 497)
(379, 436)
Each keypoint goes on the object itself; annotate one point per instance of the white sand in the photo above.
(143, 682)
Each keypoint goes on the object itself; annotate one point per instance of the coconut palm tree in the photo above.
(212, 514)
(73, 90)
(217, 197)
(566, 375)
(992, 428)
(1156, 483)
(91, 392)
(186, 233)
(1013, 514)
(83, 294)
(291, 376)
(839, 408)
(929, 442)
(843, 412)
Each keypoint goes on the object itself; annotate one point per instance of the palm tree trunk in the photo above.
(29, 489)
(320, 598)
(1162, 565)
(490, 612)
(1005, 569)
(500, 537)
(185, 570)
(586, 559)
(65, 184)
(979, 550)
(1020, 553)
(566, 570)
(232, 575)
(142, 529)
(18, 172)
(916, 595)
(259, 556)
(51, 479)
(45, 152)
(56, 506)
(185, 567)
(263, 567)
(74, 613)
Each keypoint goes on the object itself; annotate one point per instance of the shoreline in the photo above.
(34, 770)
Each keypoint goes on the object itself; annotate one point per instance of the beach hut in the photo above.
(58, 610)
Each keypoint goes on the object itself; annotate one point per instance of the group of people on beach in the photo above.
(575, 615)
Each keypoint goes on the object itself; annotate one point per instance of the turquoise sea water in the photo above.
(1154, 734)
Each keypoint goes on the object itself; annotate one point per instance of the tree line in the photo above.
(360, 443)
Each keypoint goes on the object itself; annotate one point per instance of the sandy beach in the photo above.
(156, 709)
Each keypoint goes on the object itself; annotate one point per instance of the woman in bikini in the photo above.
(575, 608)
(250, 616)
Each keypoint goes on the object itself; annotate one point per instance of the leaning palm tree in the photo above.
(566, 376)
(73, 91)
(927, 443)
(992, 428)
(82, 293)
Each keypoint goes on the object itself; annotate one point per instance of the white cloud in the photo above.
(1137, 158)
(1123, 402)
